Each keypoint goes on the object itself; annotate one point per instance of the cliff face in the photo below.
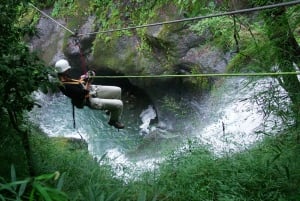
(163, 49)
(169, 48)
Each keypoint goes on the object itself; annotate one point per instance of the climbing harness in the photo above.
(78, 103)
(86, 74)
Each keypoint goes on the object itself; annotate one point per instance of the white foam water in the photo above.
(226, 122)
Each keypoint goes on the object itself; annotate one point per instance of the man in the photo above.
(83, 93)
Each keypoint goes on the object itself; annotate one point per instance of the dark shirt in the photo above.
(75, 91)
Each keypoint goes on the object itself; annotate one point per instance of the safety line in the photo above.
(200, 75)
(55, 21)
(199, 17)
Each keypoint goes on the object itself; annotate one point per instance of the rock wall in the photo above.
(173, 49)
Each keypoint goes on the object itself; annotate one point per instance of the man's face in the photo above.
(67, 72)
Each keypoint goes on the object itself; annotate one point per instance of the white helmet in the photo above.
(62, 65)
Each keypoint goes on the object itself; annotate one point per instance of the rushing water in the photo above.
(225, 121)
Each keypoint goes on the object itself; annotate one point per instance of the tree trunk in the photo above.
(25, 142)
(287, 51)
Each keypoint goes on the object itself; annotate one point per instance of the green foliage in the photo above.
(267, 172)
(221, 28)
(84, 177)
(174, 106)
(22, 71)
(199, 83)
(116, 15)
(64, 8)
(37, 188)
(194, 8)
(254, 57)
(294, 18)
(12, 150)
(43, 4)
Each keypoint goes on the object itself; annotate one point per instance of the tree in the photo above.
(280, 49)
(286, 48)
(22, 72)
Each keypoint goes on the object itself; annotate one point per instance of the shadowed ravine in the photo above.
(225, 121)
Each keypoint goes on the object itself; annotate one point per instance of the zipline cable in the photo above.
(199, 17)
(199, 75)
(291, 3)
(184, 20)
(55, 21)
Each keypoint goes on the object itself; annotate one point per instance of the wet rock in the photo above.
(73, 143)
(175, 49)
(49, 41)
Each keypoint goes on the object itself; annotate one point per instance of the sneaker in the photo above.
(116, 124)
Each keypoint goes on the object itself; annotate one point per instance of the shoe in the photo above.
(116, 124)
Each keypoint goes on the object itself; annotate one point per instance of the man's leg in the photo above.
(113, 105)
(107, 92)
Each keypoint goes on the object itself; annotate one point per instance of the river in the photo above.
(225, 121)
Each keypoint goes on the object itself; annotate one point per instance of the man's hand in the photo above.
(87, 77)
(91, 73)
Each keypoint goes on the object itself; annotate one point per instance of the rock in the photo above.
(73, 143)
(174, 49)
(49, 41)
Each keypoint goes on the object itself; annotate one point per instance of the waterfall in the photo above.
(146, 116)
(226, 121)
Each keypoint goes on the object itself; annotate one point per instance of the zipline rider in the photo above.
(82, 93)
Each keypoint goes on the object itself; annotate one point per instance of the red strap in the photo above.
(83, 64)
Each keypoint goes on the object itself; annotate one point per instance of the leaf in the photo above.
(91, 194)
(12, 186)
(2, 198)
(55, 194)
(112, 197)
(276, 157)
(42, 191)
(6, 187)
(142, 196)
(13, 173)
(31, 198)
(287, 171)
(102, 157)
(45, 176)
(22, 188)
(60, 182)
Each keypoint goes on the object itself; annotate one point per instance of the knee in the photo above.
(117, 93)
(120, 105)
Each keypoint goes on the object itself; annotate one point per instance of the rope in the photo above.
(56, 22)
(73, 114)
(200, 75)
(177, 21)
(199, 17)
(184, 20)
(82, 59)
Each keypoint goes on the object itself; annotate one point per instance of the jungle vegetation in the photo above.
(35, 167)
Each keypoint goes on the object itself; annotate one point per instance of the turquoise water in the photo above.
(124, 148)
(226, 121)
(55, 118)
